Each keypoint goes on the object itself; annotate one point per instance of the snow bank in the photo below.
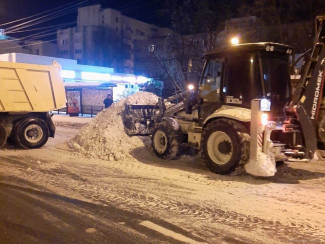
(104, 137)
(264, 165)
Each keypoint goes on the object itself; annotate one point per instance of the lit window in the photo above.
(151, 48)
(68, 74)
(95, 76)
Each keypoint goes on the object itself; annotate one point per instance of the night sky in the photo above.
(140, 9)
(209, 13)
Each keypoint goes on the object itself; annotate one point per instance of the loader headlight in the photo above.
(190, 87)
(289, 51)
(269, 48)
(265, 105)
(264, 119)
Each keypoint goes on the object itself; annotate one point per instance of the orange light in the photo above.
(234, 40)
(264, 119)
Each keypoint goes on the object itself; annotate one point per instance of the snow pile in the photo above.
(264, 165)
(104, 137)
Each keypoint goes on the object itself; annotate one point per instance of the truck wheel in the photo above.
(166, 141)
(31, 133)
(3, 136)
(224, 146)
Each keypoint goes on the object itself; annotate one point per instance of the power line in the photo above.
(45, 12)
(44, 18)
(30, 44)
(48, 17)
(42, 28)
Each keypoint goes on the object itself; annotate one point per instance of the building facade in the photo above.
(104, 37)
(38, 47)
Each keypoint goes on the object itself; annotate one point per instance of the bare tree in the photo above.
(194, 25)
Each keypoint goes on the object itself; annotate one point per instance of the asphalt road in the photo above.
(30, 213)
(35, 216)
(53, 195)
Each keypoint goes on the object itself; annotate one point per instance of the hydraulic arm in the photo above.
(307, 97)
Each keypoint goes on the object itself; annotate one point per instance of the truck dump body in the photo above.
(31, 88)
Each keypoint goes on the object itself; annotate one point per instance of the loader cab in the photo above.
(237, 74)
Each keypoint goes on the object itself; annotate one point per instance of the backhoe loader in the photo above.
(215, 118)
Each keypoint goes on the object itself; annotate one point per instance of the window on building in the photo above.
(64, 52)
(65, 42)
(37, 51)
(116, 19)
(78, 51)
(172, 46)
(151, 48)
(116, 29)
(103, 20)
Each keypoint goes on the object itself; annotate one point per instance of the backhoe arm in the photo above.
(308, 95)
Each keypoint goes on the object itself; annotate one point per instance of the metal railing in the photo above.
(85, 109)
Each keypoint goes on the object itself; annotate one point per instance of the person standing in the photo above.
(108, 101)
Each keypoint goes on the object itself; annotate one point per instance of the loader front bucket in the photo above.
(139, 119)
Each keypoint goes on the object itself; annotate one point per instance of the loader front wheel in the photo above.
(224, 146)
(31, 133)
(166, 141)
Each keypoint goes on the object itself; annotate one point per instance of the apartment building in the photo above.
(247, 29)
(100, 33)
(37, 47)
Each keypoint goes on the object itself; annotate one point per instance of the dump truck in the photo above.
(28, 92)
(242, 110)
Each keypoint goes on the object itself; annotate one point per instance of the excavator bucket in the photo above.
(139, 119)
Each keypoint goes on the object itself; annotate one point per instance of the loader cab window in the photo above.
(210, 88)
(242, 82)
(276, 80)
(210, 84)
(276, 77)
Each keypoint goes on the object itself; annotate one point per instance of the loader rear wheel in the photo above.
(31, 133)
(224, 146)
(3, 136)
(166, 141)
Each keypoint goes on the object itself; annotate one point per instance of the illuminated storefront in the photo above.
(86, 86)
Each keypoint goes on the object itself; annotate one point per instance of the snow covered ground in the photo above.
(286, 208)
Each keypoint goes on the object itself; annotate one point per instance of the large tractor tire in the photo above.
(3, 135)
(225, 146)
(166, 140)
(31, 133)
